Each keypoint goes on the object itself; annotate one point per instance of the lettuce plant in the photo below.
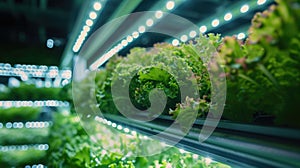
(263, 72)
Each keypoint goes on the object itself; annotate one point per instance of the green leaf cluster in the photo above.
(70, 146)
(30, 92)
(23, 136)
(103, 83)
(17, 114)
(263, 73)
(163, 67)
(22, 158)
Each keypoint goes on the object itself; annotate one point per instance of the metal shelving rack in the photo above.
(25, 72)
(238, 145)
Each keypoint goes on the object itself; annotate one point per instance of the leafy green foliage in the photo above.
(103, 90)
(179, 160)
(65, 93)
(164, 67)
(263, 73)
(70, 146)
(22, 158)
(63, 139)
(184, 112)
(23, 136)
(19, 114)
(30, 92)
(122, 165)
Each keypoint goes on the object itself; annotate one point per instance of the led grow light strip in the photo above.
(36, 166)
(41, 71)
(218, 21)
(120, 128)
(47, 103)
(149, 22)
(41, 147)
(92, 15)
(114, 125)
(33, 124)
(240, 36)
